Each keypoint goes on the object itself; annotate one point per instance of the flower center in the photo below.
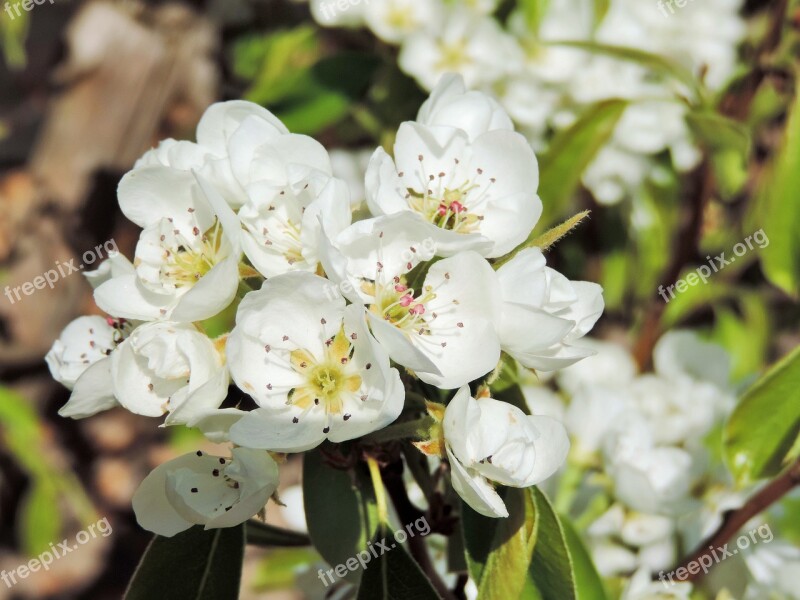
(401, 306)
(328, 381)
(447, 209)
(187, 263)
(453, 56)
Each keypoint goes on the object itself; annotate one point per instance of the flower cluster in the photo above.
(531, 64)
(640, 474)
(335, 317)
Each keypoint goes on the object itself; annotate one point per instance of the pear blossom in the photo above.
(465, 42)
(469, 194)
(187, 258)
(774, 569)
(452, 105)
(489, 440)
(210, 154)
(311, 365)
(624, 540)
(84, 342)
(443, 330)
(199, 489)
(641, 587)
(543, 312)
(80, 360)
(166, 367)
(394, 20)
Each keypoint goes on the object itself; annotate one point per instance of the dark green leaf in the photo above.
(762, 431)
(193, 565)
(341, 516)
(261, 534)
(393, 575)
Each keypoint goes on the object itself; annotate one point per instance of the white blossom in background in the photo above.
(487, 440)
(641, 587)
(775, 571)
(200, 489)
(351, 167)
(312, 367)
(394, 20)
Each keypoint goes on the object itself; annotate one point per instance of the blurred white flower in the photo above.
(199, 489)
(488, 440)
(641, 587)
(394, 20)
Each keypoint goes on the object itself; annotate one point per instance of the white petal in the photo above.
(93, 392)
(263, 428)
(475, 490)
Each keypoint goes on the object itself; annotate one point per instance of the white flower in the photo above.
(209, 156)
(79, 359)
(680, 354)
(611, 365)
(171, 368)
(488, 439)
(85, 341)
(187, 258)
(543, 312)
(114, 266)
(641, 587)
(469, 194)
(198, 489)
(592, 413)
(623, 540)
(775, 570)
(394, 20)
(451, 105)
(311, 365)
(443, 329)
(647, 477)
(283, 222)
(467, 43)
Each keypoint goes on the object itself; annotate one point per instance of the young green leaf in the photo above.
(551, 568)
(760, 434)
(588, 584)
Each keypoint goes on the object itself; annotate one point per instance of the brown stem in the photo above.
(736, 519)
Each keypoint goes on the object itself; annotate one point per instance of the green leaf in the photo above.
(499, 550)
(780, 211)
(570, 152)
(341, 513)
(193, 565)
(534, 12)
(393, 575)
(588, 583)
(261, 534)
(654, 62)
(551, 566)
(762, 431)
(729, 143)
(13, 34)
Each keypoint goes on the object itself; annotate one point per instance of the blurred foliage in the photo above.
(13, 34)
(51, 488)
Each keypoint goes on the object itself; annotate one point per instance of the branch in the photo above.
(736, 519)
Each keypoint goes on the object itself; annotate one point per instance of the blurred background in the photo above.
(87, 87)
